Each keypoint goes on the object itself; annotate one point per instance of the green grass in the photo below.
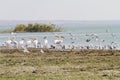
(83, 65)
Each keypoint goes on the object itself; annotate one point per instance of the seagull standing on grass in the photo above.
(45, 42)
(41, 51)
(21, 43)
(23, 46)
(59, 41)
(29, 43)
(35, 41)
(8, 43)
(15, 43)
(25, 50)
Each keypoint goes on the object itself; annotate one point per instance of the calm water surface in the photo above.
(77, 32)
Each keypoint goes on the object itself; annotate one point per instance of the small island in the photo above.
(37, 28)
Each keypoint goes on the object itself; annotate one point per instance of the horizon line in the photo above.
(57, 20)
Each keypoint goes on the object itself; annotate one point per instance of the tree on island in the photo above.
(37, 28)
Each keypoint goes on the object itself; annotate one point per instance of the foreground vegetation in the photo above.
(37, 28)
(82, 65)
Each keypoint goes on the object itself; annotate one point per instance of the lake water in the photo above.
(99, 33)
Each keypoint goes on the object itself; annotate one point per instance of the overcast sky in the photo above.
(59, 9)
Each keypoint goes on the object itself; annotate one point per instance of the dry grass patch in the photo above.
(57, 65)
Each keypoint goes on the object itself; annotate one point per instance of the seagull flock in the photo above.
(12, 42)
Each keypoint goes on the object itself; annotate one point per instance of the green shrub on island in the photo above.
(37, 28)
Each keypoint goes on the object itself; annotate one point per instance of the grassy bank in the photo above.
(83, 65)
